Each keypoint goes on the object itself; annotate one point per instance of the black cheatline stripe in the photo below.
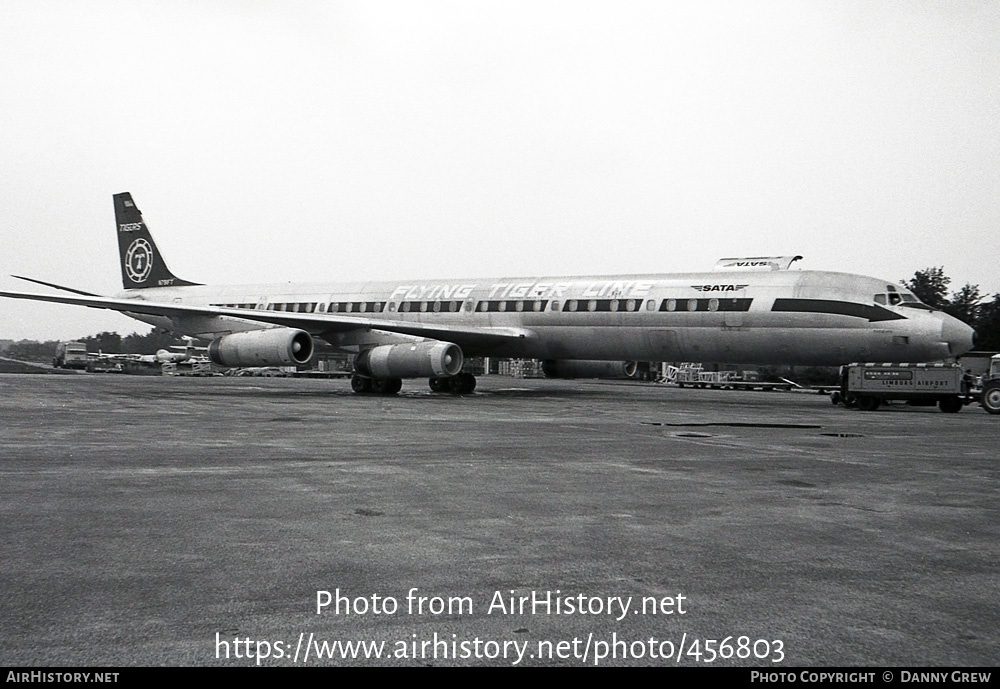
(839, 308)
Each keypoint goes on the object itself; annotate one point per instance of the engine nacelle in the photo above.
(267, 347)
(417, 360)
(583, 368)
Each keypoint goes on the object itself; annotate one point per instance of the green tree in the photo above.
(964, 304)
(988, 325)
(931, 286)
(31, 350)
(967, 304)
(107, 342)
(149, 343)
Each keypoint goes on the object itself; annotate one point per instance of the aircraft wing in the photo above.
(318, 324)
(52, 284)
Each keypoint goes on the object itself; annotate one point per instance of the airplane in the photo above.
(746, 311)
(183, 353)
(162, 356)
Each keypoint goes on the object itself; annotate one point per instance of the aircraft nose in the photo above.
(959, 337)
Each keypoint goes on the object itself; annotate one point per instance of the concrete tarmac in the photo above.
(185, 521)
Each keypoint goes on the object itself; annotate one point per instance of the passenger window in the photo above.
(670, 305)
(592, 305)
(692, 304)
(713, 304)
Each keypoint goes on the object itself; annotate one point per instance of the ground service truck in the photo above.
(991, 387)
(70, 355)
(867, 386)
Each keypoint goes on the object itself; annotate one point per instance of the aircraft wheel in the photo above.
(360, 384)
(386, 386)
(991, 397)
(835, 397)
(462, 384)
(469, 384)
(867, 403)
(438, 384)
(950, 405)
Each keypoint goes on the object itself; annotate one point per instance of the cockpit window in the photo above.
(911, 301)
(894, 298)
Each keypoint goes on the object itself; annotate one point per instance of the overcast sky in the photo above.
(302, 141)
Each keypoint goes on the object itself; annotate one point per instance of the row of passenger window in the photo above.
(506, 305)
(316, 307)
(706, 305)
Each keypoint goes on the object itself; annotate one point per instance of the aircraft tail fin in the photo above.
(142, 264)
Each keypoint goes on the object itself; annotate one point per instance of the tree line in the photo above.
(966, 304)
(106, 342)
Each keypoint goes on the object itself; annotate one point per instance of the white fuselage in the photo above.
(771, 317)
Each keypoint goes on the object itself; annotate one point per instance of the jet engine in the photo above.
(267, 347)
(570, 368)
(431, 359)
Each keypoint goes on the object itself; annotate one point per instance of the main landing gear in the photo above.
(378, 386)
(462, 384)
